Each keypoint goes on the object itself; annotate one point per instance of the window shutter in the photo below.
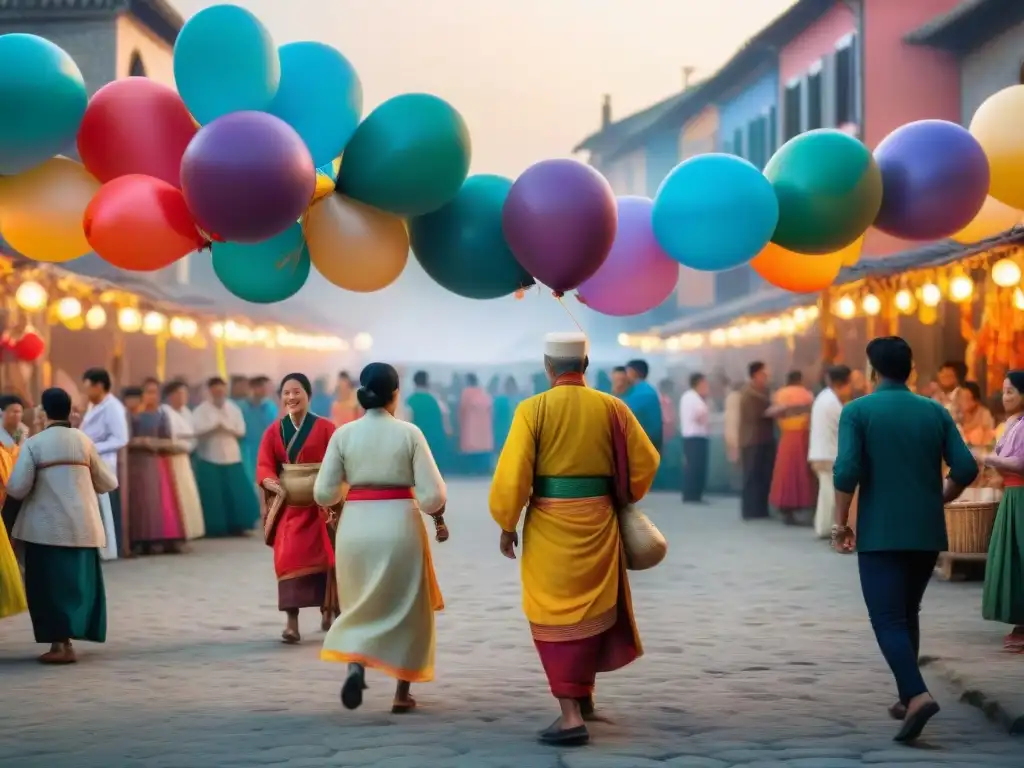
(828, 92)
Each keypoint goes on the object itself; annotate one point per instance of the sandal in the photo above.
(291, 637)
(403, 706)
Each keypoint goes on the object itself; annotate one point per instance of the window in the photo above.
(136, 68)
(758, 148)
(846, 81)
(815, 104)
(791, 110)
(773, 130)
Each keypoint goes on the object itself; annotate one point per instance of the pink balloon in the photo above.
(637, 275)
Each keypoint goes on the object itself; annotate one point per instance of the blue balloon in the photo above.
(225, 61)
(265, 272)
(320, 96)
(44, 98)
(714, 212)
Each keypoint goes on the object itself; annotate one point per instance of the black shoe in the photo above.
(564, 737)
(898, 711)
(353, 687)
(915, 723)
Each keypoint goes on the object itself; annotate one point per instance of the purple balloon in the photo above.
(935, 178)
(247, 177)
(637, 275)
(559, 220)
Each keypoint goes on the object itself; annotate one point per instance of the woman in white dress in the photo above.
(387, 588)
(183, 437)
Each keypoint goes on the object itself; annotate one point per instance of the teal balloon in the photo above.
(225, 61)
(461, 245)
(265, 272)
(320, 96)
(408, 157)
(43, 97)
(829, 189)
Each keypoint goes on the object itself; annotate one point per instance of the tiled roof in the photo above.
(968, 25)
(680, 107)
(159, 15)
(771, 300)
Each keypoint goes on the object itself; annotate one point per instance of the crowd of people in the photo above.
(145, 474)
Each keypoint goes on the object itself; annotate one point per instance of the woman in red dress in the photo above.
(297, 529)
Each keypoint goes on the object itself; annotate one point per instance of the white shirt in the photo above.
(824, 443)
(106, 424)
(183, 430)
(217, 430)
(693, 414)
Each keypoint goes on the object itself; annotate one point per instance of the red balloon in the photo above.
(30, 347)
(135, 125)
(140, 223)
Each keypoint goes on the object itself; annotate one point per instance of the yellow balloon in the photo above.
(354, 246)
(324, 186)
(996, 126)
(41, 210)
(850, 255)
(993, 219)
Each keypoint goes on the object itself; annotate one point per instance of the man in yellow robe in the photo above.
(558, 461)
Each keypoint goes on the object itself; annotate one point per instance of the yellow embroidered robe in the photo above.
(572, 560)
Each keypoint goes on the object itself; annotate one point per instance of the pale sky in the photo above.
(528, 76)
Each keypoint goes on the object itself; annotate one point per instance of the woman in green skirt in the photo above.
(1003, 598)
(58, 477)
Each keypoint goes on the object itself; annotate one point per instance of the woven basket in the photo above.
(297, 481)
(644, 544)
(969, 526)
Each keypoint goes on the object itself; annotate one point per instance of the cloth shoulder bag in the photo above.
(644, 544)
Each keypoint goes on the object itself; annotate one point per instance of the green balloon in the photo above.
(829, 189)
(408, 157)
(461, 245)
(266, 272)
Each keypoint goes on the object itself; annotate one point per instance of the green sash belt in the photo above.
(548, 487)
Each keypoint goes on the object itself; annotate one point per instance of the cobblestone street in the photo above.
(758, 654)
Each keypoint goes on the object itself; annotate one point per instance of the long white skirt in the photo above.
(825, 513)
(108, 552)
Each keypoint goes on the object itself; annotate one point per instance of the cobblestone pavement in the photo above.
(759, 654)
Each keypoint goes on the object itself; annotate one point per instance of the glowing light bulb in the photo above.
(846, 308)
(154, 323)
(129, 320)
(1006, 273)
(871, 305)
(904, 301)
(69, 308)
(95, 318)
(1018, 299)
(961, 288)
(31, 296)
(930, 295)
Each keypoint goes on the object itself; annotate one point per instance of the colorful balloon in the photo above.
(714, 212)
(559, 220)
(935, 178)
(996, 126)
(225, 61)
(247, 177)
(267, 272)
(43, 96)
(325, 176)
(462, 247)
(135, 125)
(797, 272)
(140, 224)
(41, 210)
(829, 190)
(408, 157)
(993, 219)
(850, 255)
(309, 72)
(354, 246)
(637, 275)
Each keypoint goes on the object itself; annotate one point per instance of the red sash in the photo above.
(1013, 481)
(378, 493)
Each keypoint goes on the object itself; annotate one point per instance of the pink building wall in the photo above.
(814, 42)
(903, 83)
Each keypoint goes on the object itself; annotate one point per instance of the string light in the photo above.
(930, 295)
(68, 308)
(904, 301)
(129, 320)
(31, 296)
(961, 288)
(1006, 273)
(95, 318)
(1018, 299)
(154, 323)
(846, 308)
(871, 305)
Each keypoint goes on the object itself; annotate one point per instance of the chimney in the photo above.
(606, 111)
(687, 74)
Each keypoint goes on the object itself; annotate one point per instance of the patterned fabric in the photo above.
(58, 475)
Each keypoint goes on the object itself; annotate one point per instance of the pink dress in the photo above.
(794, 486)
(476, 427)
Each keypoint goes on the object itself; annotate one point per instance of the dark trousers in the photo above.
(893, 584)
(695, 467)
(757, 462)
(118, 515)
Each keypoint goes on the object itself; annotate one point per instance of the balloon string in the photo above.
(570, 314)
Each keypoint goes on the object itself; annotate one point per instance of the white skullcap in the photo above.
(566, 346)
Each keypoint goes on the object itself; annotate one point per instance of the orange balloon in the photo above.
(797, 272)
(140, 223)
(993, 219)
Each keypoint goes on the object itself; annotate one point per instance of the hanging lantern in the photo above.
(30, 347)
(871, 305)
(31, 296)
(95, 318)
(129, 320)
(930, 295)
(1006, 273)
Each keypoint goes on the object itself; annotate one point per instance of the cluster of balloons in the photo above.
(262, 154)
(805, 217)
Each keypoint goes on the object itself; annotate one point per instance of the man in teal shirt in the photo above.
(260, 411)
(643, 400)
(892, 444)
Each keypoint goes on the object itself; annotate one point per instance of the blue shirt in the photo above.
(892, 444)
(257, 418)
(645, 404)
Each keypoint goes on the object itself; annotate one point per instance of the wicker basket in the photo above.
(969, 526)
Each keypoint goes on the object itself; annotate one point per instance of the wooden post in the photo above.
(827, 324)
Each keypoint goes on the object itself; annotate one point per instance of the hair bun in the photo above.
(368, 399)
